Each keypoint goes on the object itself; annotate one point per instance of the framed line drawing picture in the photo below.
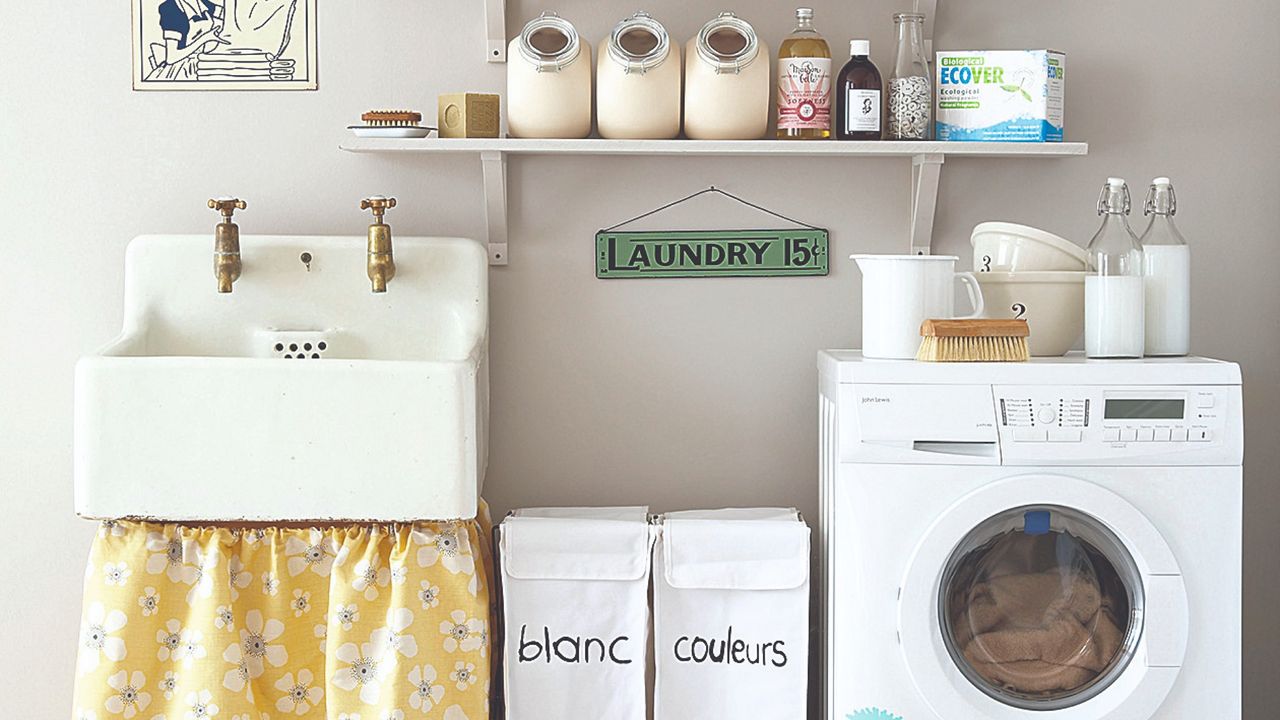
(224, 44)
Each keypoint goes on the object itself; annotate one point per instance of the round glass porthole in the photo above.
(1041, 607)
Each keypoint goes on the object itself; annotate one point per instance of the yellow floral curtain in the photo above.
(361, 622)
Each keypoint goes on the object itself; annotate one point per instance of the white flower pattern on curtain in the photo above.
(371, 622)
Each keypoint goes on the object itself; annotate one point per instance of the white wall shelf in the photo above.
(926, 163)
(795, 148)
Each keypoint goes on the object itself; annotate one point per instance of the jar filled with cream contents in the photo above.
(638, 81)
(549, 80)
(727, 85)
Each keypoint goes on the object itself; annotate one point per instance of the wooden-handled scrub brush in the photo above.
(974, 341)
(391, 118)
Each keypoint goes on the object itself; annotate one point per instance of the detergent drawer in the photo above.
(918, 424)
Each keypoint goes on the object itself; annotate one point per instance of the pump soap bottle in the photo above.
(804, 82)
(859, 91)
(1167, 268)
(1113, 290)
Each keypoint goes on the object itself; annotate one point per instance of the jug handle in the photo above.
(970, 283)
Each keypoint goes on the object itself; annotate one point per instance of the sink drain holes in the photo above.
(289, 349)
(283, 344)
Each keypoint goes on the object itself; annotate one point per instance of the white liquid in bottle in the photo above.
(1167, 267)
(1114, 298)
(1168, 293)
(1113, 316)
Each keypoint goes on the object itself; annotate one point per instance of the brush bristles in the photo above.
(974, 349)
(392, 123)
(391, 118)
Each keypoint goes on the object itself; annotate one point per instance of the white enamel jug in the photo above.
(899, 292)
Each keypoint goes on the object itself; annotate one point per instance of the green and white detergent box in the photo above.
(1001, 95)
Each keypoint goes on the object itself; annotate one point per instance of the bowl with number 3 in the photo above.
(1009, 247)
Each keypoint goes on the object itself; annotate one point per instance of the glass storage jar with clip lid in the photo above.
(726, 82)
(1113, 286)
(638, 81)
(910, 89)
(549, 80)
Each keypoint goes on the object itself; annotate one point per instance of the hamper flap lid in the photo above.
(576, 543)
(737, 549)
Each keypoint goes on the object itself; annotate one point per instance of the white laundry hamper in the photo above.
(731, 615)
(575, 601)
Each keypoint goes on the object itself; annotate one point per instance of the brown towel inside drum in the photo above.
(1037, 630)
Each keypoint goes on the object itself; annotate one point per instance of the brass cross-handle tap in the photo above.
(226, 243)
(226, 206)
(380, 264)
(378, 204)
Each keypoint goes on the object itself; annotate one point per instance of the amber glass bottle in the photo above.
(804, 82)
(859, 96)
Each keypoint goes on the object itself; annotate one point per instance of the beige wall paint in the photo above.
(673, 393)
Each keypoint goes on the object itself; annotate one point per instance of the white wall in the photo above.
(676, 393)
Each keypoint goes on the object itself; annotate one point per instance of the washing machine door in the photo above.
(1043, 596)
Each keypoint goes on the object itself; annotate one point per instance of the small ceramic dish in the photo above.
(389, 131)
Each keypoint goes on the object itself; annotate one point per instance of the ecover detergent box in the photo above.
(1001, 95)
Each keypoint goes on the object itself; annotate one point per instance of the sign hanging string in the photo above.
(711, 189)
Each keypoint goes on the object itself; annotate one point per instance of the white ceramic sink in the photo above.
(201, 409)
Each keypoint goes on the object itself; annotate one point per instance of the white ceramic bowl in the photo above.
(1009, 247)
(1052, 303)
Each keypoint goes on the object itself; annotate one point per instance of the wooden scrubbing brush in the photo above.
(974, 341)
(391, 118)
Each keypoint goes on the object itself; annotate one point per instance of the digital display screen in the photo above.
(1138, 409)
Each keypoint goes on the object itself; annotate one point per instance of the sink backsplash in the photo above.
(435, 309)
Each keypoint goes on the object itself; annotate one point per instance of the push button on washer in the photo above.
(1179, 435)
(1128, 435)
(1163, 434)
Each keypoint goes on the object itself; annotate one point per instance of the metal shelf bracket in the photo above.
(494, 165)
(495, 24)
(925, 171)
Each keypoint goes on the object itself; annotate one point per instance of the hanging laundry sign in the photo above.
(709, 253)
(704, 253)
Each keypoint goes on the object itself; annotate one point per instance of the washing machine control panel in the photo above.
(1093, 425)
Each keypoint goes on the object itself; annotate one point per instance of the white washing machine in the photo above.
(1052, 540)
